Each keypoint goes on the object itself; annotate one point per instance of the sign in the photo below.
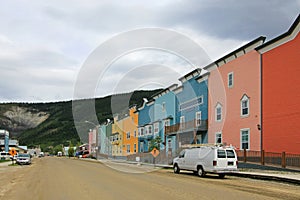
(155, 152)
(13, 152)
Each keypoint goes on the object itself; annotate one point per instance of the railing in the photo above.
(198, 125)
(270, 158)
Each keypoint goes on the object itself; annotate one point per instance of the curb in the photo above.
(267, 177)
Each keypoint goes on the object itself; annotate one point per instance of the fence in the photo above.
(269, 158)
(162, 158)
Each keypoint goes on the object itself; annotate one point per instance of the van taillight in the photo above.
(237, 162)
(214, 163)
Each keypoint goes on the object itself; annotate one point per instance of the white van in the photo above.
(207, 159)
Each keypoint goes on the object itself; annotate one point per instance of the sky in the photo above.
(50, 48)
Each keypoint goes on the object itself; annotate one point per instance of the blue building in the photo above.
(192, 110)
(5, 133)
(145, 127)
(165, 111)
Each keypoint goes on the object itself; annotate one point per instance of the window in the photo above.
(169, 143)
(135, 134)
(230, 79)
(128, 135)
(150, 130)
(221, 153)
(245, 143)
(198, 118)
(163, 106)
(182, 122)
(167, 122)
(218, 112)
(134, 148)
(219, 138)
(156, 128)
(142, 131)
(230, 154)
(128, 148)
(245, 106)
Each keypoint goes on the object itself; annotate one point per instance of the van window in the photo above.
(221, 153)
(181, 154)
(230, 154)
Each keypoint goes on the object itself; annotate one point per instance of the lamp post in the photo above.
(97, 145)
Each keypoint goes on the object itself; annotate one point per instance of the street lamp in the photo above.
(97, 146)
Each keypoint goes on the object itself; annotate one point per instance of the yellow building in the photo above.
(116, 137)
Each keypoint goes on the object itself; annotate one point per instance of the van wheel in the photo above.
(176, 169)
(200, 171)
(221, 175)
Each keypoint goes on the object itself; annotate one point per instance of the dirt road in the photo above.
(63, 178)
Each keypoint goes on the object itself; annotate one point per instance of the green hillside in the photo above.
(59, 127)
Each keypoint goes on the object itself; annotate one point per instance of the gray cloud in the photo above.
(44, 44)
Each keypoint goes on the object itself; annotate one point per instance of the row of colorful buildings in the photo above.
(250, 99)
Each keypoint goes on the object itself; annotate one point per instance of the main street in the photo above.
(64, 178)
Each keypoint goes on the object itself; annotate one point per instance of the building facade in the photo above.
(165, 110)
(234, 98)
(130, 132)
(280, 91)
(192, 106)
(145, 127)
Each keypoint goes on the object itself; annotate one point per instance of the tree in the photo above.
(155, 143)
(71, 150)
(57, 148)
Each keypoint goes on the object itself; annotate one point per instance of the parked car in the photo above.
(23, 158)
(4, 155)
(207, 159)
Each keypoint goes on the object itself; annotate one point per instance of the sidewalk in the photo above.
(247, 170)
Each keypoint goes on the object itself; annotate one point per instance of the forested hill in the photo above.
(52, 124)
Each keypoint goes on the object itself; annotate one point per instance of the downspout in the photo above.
(261, 102)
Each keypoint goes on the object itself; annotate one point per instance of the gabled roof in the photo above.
(281, 39)
(237, 53)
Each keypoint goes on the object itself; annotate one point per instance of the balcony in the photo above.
(199, 125)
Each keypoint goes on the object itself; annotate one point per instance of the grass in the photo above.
(2, 161)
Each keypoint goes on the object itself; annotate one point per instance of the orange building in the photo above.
(130, 132)
(281, 91)
(234, 98)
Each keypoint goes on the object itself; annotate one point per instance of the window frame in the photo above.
(241, 138)
(232, 79)
(218, 135)
(156, 128)
(128, 135)
(245, 98)
(198, 120)
(218, 106)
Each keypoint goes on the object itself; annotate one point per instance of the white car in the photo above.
(207, 159)
(23, 158)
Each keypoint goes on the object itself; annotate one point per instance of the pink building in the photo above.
(92, 141)
(234, 98)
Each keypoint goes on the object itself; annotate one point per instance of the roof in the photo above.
(281, 39)
(238, 52)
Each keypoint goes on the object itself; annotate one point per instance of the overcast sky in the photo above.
(45, 44)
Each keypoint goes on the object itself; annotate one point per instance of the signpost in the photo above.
(155, 153)
(12, 152)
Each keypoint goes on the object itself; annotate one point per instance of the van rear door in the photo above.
(221, 159)
(231, 158)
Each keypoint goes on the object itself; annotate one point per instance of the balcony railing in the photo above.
(197, 125)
